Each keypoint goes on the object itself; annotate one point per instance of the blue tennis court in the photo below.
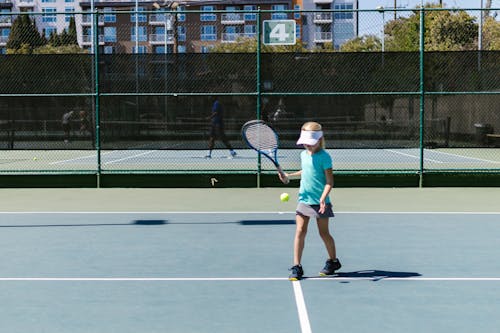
(227, 272)
(155, 159)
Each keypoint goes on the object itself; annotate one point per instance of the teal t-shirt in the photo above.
(313, 179)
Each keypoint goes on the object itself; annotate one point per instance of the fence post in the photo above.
(422, 95)
(258, 87)
(95, 55)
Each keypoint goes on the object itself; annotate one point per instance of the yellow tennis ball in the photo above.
(284, 197)
(35, 158)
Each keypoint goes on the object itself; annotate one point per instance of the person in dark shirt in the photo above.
(217, 128)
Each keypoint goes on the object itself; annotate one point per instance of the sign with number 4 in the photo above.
(278, 32)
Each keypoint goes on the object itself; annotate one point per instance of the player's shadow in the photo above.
(266, 222)
(373, 275)
(135, 222)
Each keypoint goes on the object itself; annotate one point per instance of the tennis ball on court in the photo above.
(284, 197)
(35, 158)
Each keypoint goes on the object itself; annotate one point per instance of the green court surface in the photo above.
(201, 260)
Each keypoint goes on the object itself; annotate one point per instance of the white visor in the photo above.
(309, 138)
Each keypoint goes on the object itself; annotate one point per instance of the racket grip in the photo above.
(283, 176)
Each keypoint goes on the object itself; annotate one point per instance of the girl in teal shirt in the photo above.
(316, 182)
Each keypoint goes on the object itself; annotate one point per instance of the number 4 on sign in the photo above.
(279, 32)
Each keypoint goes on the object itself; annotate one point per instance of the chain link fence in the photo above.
(112, 91)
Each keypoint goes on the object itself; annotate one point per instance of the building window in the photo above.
(4, 35)
(48, 1)
(250, 16)
(296, 14)
(250, 30)
(47, 16)
(109, 15)
(343, 15)
(181, 17)
(276, 15)
(159, 49)
(69, 15)
(110, 34)
(181, 48)
(143, 37)
(142, 17)
(5, 19)
(181, 33)
(140, 49)
(208, 17)
(109, 49)
(208, 33)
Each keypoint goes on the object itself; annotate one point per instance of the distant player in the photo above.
(66, 124)
(217, 128)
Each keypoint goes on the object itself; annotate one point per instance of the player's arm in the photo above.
(326, 190)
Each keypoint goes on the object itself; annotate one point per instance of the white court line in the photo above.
(79, 158)
(305, 325)
(413, 156)
(467, 157)
(299, 292)
(132, 156)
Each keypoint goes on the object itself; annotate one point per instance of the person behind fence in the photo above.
(217, 128)
(66, 124)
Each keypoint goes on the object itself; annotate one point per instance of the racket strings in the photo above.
(261, 137)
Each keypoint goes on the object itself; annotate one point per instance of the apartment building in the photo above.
(177, 31)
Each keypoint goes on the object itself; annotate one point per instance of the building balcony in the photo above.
(320, 18)
(322, 37)
(26, 3)
(232, 18)
(157, 19)
(159, 39)
(5, 21)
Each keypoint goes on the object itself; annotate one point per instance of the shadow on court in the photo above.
(374, 275)
(151, 223)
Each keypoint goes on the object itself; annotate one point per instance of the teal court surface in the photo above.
(168, 159)
(222, 270)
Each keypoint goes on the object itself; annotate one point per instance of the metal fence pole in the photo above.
(96, 97)
(258, 87)
(422, 94)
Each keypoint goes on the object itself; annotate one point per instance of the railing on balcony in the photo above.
(160, 38)
(232, 18)
(321, 36)
(322, 18)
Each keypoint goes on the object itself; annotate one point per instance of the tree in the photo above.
(368, 43)
(445, 30)
(24, 36)
(491, 34)
(249, 45)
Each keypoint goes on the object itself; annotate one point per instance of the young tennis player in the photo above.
(316, 182)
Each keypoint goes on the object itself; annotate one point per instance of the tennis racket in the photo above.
(263, 138)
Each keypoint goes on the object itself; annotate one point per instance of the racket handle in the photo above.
(283, 176)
